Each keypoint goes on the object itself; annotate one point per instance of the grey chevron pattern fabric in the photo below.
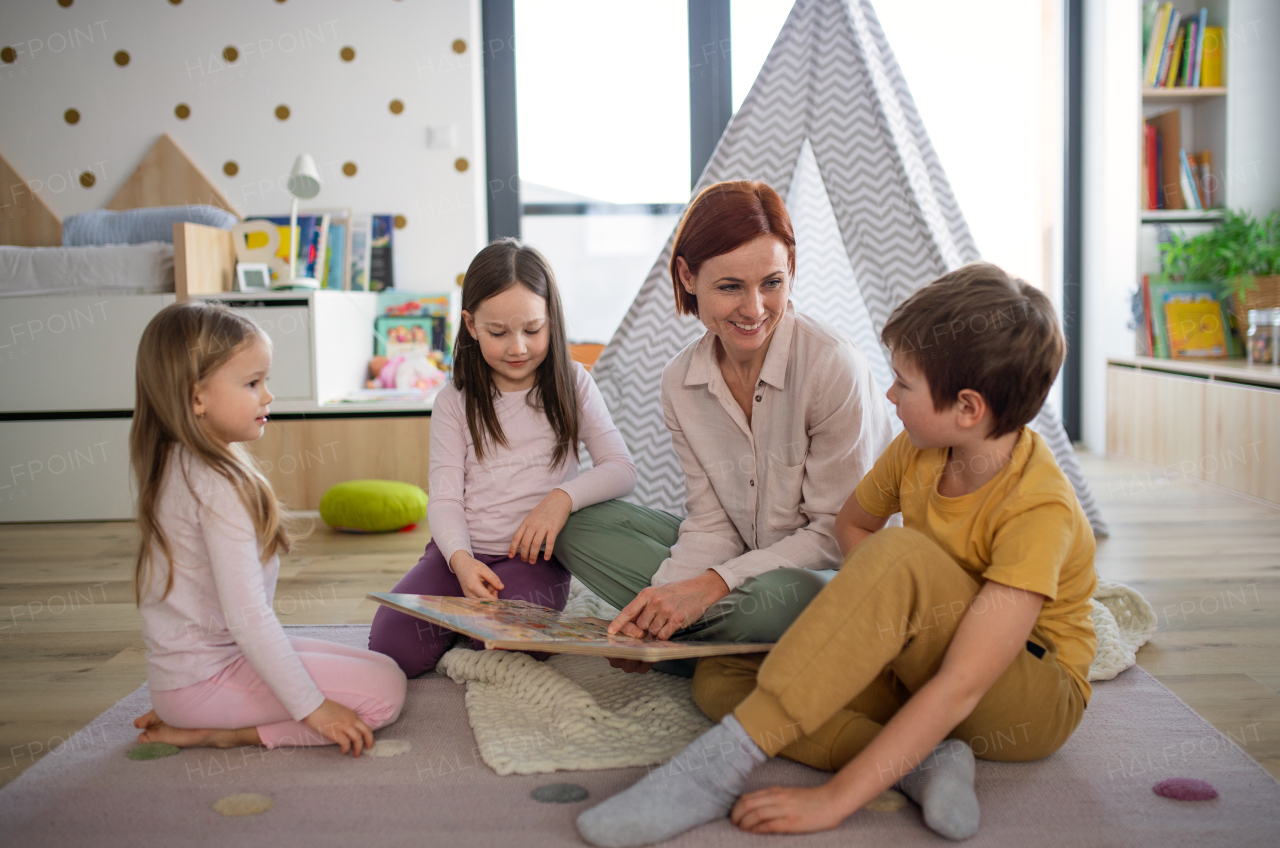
(831, 125)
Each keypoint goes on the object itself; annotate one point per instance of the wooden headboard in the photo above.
(25, 220)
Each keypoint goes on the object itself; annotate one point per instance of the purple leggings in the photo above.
(417, 645)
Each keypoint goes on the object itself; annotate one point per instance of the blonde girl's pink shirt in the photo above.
(478, 506)
(220, 607)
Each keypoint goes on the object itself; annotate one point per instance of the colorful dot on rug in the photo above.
(152, 751)
(1185, 789)
(888, 801)
(243, 804)
(389, 748)
(560, 793)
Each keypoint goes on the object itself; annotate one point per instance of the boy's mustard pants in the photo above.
(877, 633)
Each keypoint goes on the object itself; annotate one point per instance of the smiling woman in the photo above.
(774, 417)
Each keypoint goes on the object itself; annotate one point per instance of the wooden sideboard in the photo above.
(1217, 422)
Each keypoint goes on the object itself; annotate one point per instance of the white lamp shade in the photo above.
(304, 179)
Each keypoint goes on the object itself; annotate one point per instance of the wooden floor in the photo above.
(70, 643)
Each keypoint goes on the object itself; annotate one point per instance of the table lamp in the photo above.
(303, 183)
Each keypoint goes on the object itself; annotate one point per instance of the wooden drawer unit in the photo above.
(1214, 422)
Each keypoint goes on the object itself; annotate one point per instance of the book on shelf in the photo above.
(381, 242)
(1178, 50)
(1196, 326)
(1174, 60)
(522, 626)
(335, 262)
(358, 274)
(1187, 181)
(1162, 292)
(1211, 54)
(1198, 57)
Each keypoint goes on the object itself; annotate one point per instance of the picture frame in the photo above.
(253, 276)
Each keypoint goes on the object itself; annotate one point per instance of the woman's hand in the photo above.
(476, 578)
(659, 611)
(340, 724)
(788, 809)
(543, 523)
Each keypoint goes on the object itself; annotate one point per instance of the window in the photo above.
(602, 94)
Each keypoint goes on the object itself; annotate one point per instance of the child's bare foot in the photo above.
(157, 731)
(142, 722)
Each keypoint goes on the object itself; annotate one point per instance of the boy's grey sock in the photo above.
(698, 785)
(943, 786)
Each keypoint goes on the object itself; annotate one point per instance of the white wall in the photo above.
(1112, 122)
(289, 54)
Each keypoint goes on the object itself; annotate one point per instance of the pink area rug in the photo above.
(1096, 791)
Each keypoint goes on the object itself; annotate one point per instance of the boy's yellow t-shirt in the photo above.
(1023, 528)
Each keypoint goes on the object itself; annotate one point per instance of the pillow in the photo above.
(373, 506)
(135, 226)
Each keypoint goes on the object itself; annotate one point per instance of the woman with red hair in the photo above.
(775, 418)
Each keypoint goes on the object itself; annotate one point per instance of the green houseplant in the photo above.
(1234, 255)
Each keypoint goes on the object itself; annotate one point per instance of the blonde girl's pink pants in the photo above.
(369, 683)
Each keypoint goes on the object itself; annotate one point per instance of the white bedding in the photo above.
(122, 268)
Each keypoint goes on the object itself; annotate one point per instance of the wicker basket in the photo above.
(1265, 296)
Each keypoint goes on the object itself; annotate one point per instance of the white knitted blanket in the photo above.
(576, 712)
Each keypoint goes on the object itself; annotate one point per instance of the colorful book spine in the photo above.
(1199, 51)
(1188, 49)
(337, 255)
(1155, 45)
(1187, 181)
(1211, 76)
(1152, 173)
(1175, 59)
(1166, 55)
(1204, 163)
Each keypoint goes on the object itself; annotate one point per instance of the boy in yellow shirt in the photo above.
(965, 631)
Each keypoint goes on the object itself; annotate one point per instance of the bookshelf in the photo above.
(1216, 421)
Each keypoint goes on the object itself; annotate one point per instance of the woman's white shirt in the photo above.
(765, 495)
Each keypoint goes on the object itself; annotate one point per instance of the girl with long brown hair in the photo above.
(504, 453)
(221, 670)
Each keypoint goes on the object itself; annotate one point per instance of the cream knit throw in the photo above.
(576, 712)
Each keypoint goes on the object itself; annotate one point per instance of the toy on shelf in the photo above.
(407, 371)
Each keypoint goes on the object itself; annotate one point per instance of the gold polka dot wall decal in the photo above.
(7, 55)
(347, 53)
(461, 278)
(399, 221)
(459, 46)
(183, 111)
(396, 107)
(121, 57)
(175, 2)
(461, 163)
(349, 168)
(71, 116)
(230, 168)
(66, 4)
(282, 112)
(87, 179)
(230, 53)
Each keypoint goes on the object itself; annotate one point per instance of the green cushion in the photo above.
(373, 506)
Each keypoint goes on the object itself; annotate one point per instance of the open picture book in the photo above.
(522, 626)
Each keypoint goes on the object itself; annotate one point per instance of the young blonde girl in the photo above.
(221, 670)
(504, 453)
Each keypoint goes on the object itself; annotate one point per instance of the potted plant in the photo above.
(1241, 255)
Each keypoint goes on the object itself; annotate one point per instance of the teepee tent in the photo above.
(830, 124)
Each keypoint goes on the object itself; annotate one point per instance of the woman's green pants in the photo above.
(615, 547)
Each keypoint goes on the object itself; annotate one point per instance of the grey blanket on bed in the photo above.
(136, 226)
